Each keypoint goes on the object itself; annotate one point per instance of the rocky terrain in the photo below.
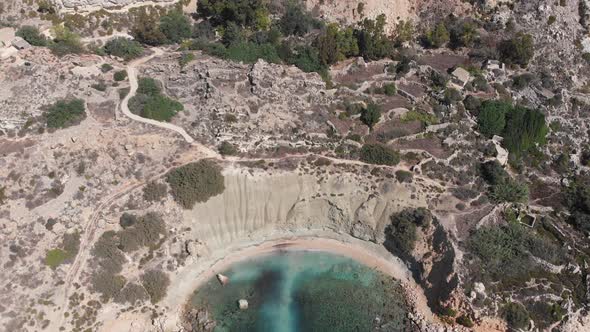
(485, 234)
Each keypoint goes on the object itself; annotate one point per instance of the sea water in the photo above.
(290, 291)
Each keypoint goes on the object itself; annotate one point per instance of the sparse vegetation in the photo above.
(195, 183)
(516, 315)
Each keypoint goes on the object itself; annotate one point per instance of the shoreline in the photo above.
(359, 251)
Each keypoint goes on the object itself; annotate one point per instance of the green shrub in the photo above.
(227, 149)
(156, 284)
(148, 86)
(516, 315)
(222, 12)
(401, 233)
(438, 36)
(404, 176)
(389, 89)
(123, 48)
(551, 20)
(108, 255)
(127, 220)
(100, 86)
(155, 191)
(107, 284)
(105, 68)
(132, 293)
(491, 119)
(65, 113)
(65, 42)
(55, 257)
(371, 115)
(145, 31)
(465, 321)
(379, 154)
(31, 35)
(426, 118)
(195, 182)
(296, 20)
(120, 75)
(150, 103)
(517, 50)
(185, 59)
(175, 26)
(145, 232)
(373, 43)
(492, 172)
(509, 191)
(452, 96)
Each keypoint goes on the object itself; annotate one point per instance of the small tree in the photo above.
(155, 191)
(438, 37)
(175, 26)
(491, 119)
(516, 315)
(371, 115)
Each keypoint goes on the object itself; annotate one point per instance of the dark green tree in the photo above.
(371, 115)
(373, 44)
(175, 26)
(517, 50)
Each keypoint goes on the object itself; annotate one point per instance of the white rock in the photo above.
(243, 304)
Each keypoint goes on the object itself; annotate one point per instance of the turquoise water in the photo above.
(293, 291)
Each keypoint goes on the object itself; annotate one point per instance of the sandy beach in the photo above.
(369, 254)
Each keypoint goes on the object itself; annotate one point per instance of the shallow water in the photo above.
(292, 291)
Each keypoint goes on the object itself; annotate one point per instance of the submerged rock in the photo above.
(222, 279)
(243, 304)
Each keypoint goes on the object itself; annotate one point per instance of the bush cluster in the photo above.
(31, 35)
(124, 48)
(137, 232)
(65, 113)
(195, 182)
(379, 154)
(502, 187)
(150, 103)
(156, 284)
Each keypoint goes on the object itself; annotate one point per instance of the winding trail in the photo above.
(133, 82)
